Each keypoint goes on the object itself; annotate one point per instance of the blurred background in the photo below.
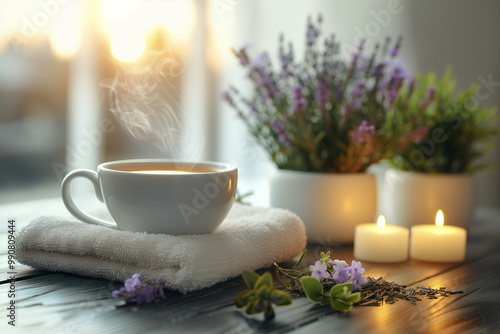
(60, 58)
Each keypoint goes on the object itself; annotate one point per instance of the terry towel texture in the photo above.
(249, 238)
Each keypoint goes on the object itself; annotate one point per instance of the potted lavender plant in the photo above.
(445, 134)
(323, 121)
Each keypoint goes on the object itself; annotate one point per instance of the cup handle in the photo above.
(70, 205)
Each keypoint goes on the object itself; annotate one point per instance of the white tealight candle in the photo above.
(381, 242)
(438, 243)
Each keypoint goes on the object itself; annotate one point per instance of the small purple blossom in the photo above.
(341, 274)
(280, 130)
(299, 101)
(118, 293)
(378, 71)
(242, 56)
(357, 284)
(312, 34)
(364, 134)
(356, 270)
(133, 283)
(400, 73)
(147, 295)
(319, 271)
(136, 291)
(322, 96)
(394, 52)
(261, 60)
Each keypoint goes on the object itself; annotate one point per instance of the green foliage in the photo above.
(445, 132)
(261, 294)
(240, 198)
(340, 296)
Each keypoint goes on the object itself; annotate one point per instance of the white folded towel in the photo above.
(249, 238)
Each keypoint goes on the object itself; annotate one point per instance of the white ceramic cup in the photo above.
(180, 202)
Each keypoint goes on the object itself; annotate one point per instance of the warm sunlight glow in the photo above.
(65, 32)
(439, 218)
(178, 17)
(127, 45)
(381, 221)
(174, 17)
(117, 9)
(65, 43)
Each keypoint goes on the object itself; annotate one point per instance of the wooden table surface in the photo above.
(60, 303)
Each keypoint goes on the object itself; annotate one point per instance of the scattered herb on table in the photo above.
(335, 283)
(261, 294)
(378, 291)
(137, 291)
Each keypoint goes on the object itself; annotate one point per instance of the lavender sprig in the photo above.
(309, 114)
(137, 291)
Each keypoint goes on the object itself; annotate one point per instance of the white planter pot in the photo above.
(330, 205)
(416, 197)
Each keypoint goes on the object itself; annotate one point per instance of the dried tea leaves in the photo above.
(378, 291)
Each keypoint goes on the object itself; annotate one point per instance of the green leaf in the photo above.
(313, 288)
(242, 299)
(250, 277)
(262, 292)
(265, 280)
(252, 307)
(341, 305)
(340, 291)
(300, 259)
(280, 298)
(353, 297)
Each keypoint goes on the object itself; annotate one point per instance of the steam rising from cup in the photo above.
(144, 98)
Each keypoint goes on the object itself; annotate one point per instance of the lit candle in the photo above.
(438, 243)
(381, 242)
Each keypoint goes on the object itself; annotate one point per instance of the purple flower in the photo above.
(341, 274)
(311, 35)
(359, 89)
(147, 295)
(356, 270)
(242, 55)
(400, 73)
(364, 134)
(394, 52)
(118, 293)
(281, 132)
(264, 82)
(136, 291)
(261, 60)
(322, 96)
(357, 284)
(299, 101)
(356, 98)
(378, 71)
(133, 283)
(319, 270)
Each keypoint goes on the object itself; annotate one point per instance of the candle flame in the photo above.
(381, 221)
(439, 218)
